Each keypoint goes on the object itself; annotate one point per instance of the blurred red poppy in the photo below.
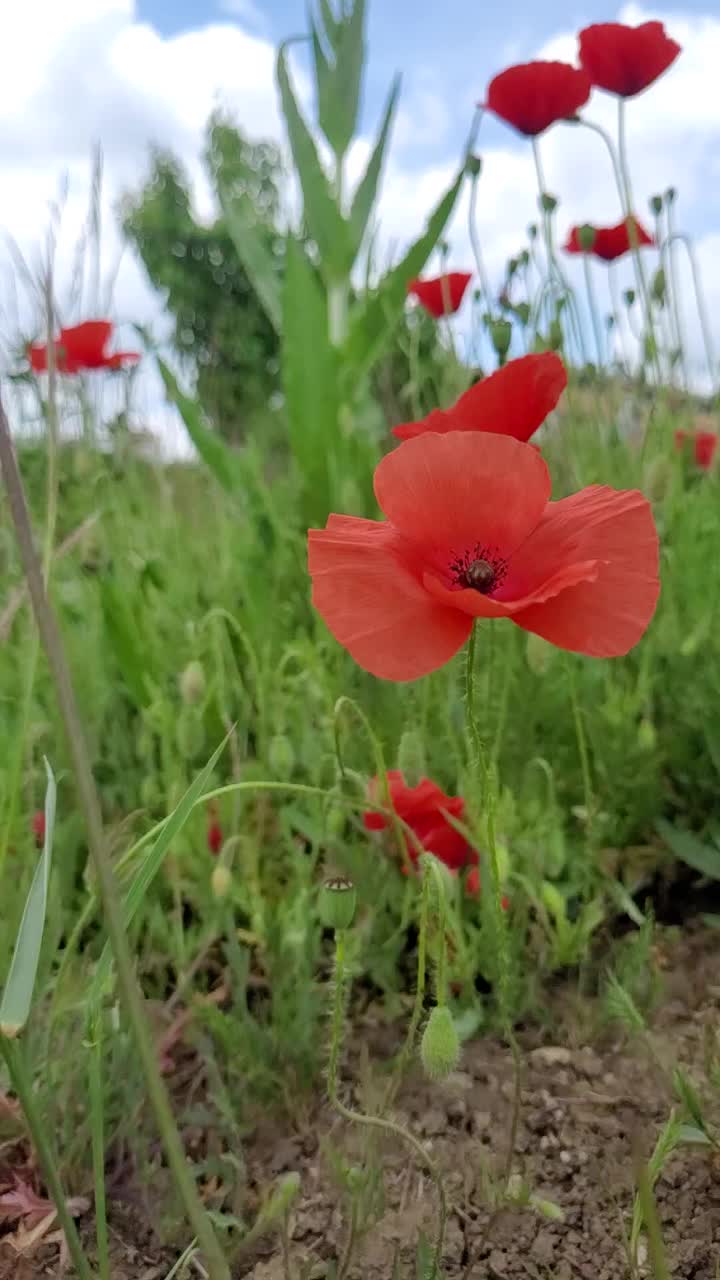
(443, 295)
(625, 60)
(704, 444)
(424, 808)
(534, 95)
(610, 243)
(214, 837)
(38, 826)
(82, 348)
(473, 888)
(513, 401)
(471, 533)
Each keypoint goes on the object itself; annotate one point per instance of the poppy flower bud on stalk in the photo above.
(501, 336)
(670, 195)
(440, 1044)
(656, 204)
(647, 735)
(192, 684)
(555, 336)
(336, 903)
(629, 297)
(548, 203)
(220, 881)
(658, 287)
(532, 231)
(474, 166)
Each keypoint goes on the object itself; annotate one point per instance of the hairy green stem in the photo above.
(408, 1047)
(97, 1129)
(555, 273)
(127, 982)
(11, 1051)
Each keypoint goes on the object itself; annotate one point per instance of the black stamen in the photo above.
(480, 575)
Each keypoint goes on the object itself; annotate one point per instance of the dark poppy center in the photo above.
(480, 575)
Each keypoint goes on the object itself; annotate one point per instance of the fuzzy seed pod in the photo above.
(440, 1044)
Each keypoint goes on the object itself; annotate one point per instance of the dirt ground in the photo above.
(587, 1109)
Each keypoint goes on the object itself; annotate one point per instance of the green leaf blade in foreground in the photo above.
(310, 379)
(366, 191)
(211, 447)
(373, 322)
(150, 866)
(18, 993)
(251, 247)
(703, 858)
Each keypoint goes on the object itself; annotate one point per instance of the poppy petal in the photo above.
(450, 491)
(603, 618)
(478, 605)
(375, 606)
(84, 344)
(624, 60)
(513, 401)
(533, 95)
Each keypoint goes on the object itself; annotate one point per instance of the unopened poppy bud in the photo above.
(524, 258)
(548, 203)
(192, 684)
(647, 736)
(659, 286)
(609, 323)
(281, 756)
(337, 902)
(473, 166)
(586, 237)
(629, 297)
(656, 204)
(443, 248)
(501, 335)
(220, 881)
(671, 195)
(532, 231)
(440, 1044)
(411, 756)
(512, 267)
(555, 335)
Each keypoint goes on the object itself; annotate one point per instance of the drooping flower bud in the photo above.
(656, 204)
(336, 903)
(220, 881)
(192, 684)
(629, 297)
(548, 203)
(440, 1044)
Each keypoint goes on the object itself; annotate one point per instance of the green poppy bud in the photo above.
(647, 735)
(656, 204)
(671, 195)
(192, 684)
(522, 311)
(474, 166)
(532, 231)
(220, 881)
(336, 903)
(440, 1044)
(658, 287)
(512, 267)
(281, 756)
(555, 336)
(586, 237)
(629, 297)
(411, 756)
(501, 335)
(548, 203)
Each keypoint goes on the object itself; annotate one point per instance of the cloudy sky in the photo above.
(128, 73)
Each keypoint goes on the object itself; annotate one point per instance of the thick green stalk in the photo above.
(87, 793)
(11, 1051)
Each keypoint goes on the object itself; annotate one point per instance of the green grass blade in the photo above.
(17, 996)
(125, 640)
(211, 447)
(249, 239)
(373, 323)
(366, 191)
(151, 864)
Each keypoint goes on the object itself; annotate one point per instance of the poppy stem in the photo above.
(408, 1047)
(593, 307)
(622, 173)
(679, 237)
(617, 317)
(127, 982)
(555, 275)
(476, 246)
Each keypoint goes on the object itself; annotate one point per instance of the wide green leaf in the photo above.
(217, 455)
(323, 218)
(251, 242)
(151, 864)
(366, 192)
(703, 858)
(309, 365)
(373, 321)
(339, 80)
(17, 996)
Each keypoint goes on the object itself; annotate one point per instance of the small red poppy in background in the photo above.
(534, 95)
(82, 348)
(443, 295)
(471, 533)
(473, 888)
(513, 401)
(424, 808)
(704, 444)
(610, 243)
(214, 832)
(625, 60)
(38, 826)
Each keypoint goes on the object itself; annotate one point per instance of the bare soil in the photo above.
(591, 1105)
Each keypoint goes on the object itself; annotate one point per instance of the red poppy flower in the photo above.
(534, 95)
(424, 808)
(704, 443)
(471, 533)
(625, 60)
(38, 826)
(81, 348)
(513, 401)
(610, 243)
(214, 837)
(473, 888)
(443, 295)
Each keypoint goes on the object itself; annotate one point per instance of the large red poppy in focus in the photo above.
(513, 401)
(625, 60)
(424, 808)
(443, 295)
(610, 243)
(81, 348)
(471, 533)
(534, 95)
